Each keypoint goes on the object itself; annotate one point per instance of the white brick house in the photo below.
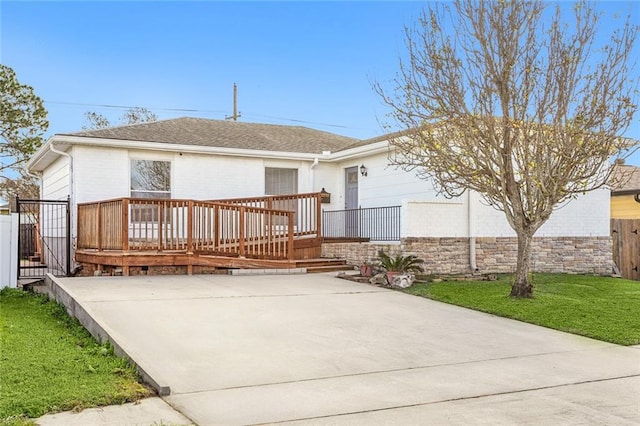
(211, 159)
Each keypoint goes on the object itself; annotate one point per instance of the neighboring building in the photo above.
(191, 158)
(625, 197)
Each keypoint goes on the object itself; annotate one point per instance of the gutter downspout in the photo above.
(472, 232)
(71, 197)
(313, 174)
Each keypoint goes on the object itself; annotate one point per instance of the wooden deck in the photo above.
(260, 232)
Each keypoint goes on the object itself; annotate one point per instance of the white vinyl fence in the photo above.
(8, 250)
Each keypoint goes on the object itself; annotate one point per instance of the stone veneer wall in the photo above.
(590, 255)
(585, 255)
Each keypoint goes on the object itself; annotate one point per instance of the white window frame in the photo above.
(278, 190)
(149, 193)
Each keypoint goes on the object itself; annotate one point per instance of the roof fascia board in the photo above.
(195, 149)
(361, 151)
(44, 149)
(625, 192)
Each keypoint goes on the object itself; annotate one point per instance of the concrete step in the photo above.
(329, 268)
(312, 263)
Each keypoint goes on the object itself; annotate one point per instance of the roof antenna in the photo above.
(236, 114)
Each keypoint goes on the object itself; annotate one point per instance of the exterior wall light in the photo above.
(363, 170)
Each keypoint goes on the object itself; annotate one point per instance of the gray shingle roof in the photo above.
(630, 176)
(227, 134)
(385, 137)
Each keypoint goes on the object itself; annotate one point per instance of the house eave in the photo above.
(63, 141)
(45, 156)
(360, 151)
(625, 192)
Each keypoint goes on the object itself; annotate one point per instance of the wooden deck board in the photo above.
(150, 258)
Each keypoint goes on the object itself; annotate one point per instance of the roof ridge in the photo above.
(204, 119)
(120, 126)
(210, 132)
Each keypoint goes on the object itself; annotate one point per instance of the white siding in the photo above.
(426, 214)
(326, 175)
(103, 173)
(55, 180)
(53, 225)
(434, 219)
(100, 173)
(209, 177)
(386, 185)
(216, 177)
(587, 215)
(489, 222)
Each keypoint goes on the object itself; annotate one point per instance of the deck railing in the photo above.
(375, 224)
(240, 227)
(306, 208)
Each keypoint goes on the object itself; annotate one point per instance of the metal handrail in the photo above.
(372, 223)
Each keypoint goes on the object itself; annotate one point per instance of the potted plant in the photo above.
(398, 264)
(366, 269)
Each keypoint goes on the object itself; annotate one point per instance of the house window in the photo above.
(150, 179)
(280, 181)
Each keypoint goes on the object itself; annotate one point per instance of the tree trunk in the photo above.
(522, 286)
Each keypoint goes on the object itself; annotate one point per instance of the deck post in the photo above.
(125, 224)
(241, 233)
(216, 227)
(291, 251)
(319, 217)
(190, 228)
(99, 226)
(160, 226)
(79, 221)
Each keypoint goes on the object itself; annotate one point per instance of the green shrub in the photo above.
(400, 263)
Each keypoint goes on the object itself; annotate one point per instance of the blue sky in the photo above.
(308, 63)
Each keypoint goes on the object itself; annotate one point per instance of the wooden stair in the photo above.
(323, 265)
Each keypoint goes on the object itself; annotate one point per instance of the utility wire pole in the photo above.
(236, 114)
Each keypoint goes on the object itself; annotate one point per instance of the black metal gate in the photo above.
(44, 238)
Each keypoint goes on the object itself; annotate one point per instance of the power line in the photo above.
(130, 107)
(300, 121)
(193, 110)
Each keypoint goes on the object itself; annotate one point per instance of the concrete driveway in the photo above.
(316, 349)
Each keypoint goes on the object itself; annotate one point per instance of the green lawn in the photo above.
(50, 363)
(603, 308)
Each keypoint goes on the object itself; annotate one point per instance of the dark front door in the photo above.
(352, 225)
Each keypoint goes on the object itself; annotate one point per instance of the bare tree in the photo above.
(24, 186)
(134, 115)
(95, 120)
(508, 99)
(138, 115)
